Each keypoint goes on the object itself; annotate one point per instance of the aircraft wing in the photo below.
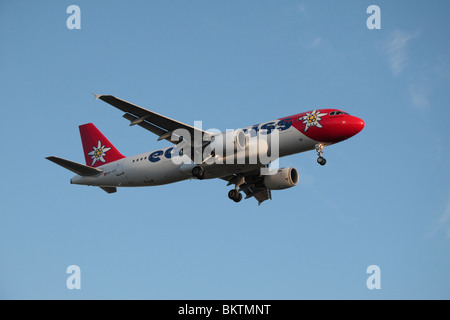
(160, 125)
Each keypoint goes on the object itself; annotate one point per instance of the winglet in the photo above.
(96, 96)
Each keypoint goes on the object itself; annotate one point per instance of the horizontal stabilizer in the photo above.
(75, 167)
(109, 189)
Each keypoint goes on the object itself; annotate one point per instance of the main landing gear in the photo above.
(320, 160)
(198, 172)
(235, 195)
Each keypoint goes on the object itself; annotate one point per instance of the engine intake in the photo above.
(283, 179)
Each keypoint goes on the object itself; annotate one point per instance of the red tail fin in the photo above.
(97, 149)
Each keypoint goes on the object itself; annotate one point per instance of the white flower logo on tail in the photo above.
(98, 153)
(312, 119)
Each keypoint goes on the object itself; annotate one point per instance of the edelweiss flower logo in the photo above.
(98, 153)
(312, 119)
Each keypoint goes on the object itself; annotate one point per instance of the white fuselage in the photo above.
(157, 168)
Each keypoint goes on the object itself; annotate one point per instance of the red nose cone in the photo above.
(359, 125)
(351, 126)
(345, 128)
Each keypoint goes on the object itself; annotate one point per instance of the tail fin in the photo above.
(97, 149)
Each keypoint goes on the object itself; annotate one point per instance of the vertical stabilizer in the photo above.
(97, 149)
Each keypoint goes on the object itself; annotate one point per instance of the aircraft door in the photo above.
(119, 168)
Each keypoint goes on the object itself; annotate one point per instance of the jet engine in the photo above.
(232, 140)
(284, 178)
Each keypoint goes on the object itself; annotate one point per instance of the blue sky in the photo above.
(383, 198)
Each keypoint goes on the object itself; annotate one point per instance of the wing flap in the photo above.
(150, 127)
(261, 195)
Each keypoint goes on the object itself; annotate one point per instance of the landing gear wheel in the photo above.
(321, 161)
(234, 195)
(198, 172)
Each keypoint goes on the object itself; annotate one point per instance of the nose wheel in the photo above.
(234, 195)
(320, 160)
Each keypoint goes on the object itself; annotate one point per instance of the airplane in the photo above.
(108, 169)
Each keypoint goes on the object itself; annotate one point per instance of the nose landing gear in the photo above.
(320, 160)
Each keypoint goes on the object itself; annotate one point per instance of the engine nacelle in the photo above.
(283, 179)
(231, 140)
(240, 140)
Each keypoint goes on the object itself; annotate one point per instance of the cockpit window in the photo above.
(335, 113)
